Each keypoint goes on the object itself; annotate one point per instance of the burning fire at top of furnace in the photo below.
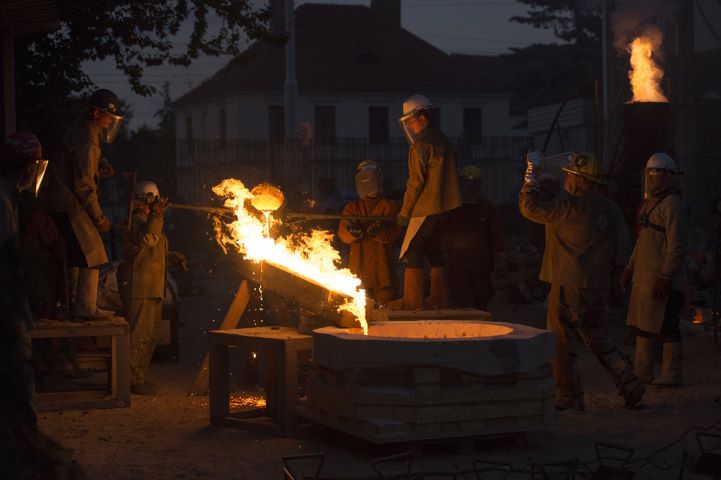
(645, 75)
(310, 256)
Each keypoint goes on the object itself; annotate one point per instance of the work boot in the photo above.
(412, 291)
(644, 359)
(439, 297)
(86, 298)
(671, 368)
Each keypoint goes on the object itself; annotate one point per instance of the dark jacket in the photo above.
(475, 236)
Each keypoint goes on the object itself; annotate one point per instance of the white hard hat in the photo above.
(661, 161)
(414, 104)
(145, 189)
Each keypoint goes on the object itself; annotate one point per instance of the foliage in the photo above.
(136, 34)
(575, 21)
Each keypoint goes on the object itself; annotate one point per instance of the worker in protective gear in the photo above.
(585, 236)
(656, 272)
(431, 192)
(21, 170)
(72, 198)
(475, 244)
(141, 280)
(372, 244)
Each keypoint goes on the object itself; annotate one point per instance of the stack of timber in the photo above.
(412, 403)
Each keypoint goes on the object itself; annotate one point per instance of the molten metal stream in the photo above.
(310, 256)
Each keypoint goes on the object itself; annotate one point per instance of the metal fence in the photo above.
(318, 169)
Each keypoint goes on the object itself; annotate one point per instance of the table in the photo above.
(281, 346)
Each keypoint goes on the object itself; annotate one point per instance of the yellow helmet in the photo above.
(470, 172)
(584, 164)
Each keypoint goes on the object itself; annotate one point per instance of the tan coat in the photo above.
(432, 185)
(585, 236)
(72, 187)
(142, 272)
(657, 254)
(373, 259)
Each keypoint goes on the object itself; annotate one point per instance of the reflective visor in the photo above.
(109, 134)
(41, 167)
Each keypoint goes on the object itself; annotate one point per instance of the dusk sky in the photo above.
(459, 26)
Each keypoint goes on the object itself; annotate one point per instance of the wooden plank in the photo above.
(61, 329)
(230, 321)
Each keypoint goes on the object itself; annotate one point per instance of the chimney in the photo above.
(388, 9)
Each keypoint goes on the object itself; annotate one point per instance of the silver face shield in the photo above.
(33, 179)
(368, 181)
(411, 137)
(109, 134)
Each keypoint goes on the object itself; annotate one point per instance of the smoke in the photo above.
(638, 17)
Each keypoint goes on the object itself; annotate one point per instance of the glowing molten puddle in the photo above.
(431, 330)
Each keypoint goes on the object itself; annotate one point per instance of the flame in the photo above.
(645, 75)
(698, 316)
(310, 256)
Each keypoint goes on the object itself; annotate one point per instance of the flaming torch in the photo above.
(308, 256)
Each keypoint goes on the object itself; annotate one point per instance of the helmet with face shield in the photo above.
(146, 192)
(106, 102)
(660, 175)
(22, 154)
(412, 107)
(368, 179)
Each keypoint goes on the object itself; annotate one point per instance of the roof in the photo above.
(29, 16)
(349, 48)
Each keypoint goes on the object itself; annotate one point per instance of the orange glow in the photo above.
(645, 75)
(698, 316)
(310, 256)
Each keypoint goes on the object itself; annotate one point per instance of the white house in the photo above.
(355, 66)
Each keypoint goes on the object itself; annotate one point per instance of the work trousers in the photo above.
(471, 289)
(578, 314)
(144, 315)
(428, 243)
(671, 325)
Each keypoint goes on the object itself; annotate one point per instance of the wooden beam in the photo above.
(231, 320)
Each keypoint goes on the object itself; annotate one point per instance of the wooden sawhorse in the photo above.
(118, 394)
(280, 345)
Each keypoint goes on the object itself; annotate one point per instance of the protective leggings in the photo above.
(578, 314)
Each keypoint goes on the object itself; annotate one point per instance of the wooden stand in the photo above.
(118, 373)
(280, 345)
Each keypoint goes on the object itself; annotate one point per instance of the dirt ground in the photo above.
(169, 437)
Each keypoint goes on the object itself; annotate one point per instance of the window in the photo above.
(221, 128)
(189, 133)
(325, 125)
(472, 124)
(378, 125)
(276, 123)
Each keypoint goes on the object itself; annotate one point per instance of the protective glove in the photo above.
(626, 277)
(661, 288)
(105, 170)
(103, 225)
(402, 221)
(355, 228)
(534, 164)
(158, 206)
(374, 229)
(177, 258)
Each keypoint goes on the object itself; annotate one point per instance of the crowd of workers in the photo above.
(447, 222)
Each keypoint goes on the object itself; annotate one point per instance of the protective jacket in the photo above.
(585, 236)
(432, 185)
(72, 187)
(142, 272)
(660, 251)
(373, 259)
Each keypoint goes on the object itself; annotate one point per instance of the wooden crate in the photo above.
(398, 404)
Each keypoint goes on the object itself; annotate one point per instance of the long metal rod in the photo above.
(289, 215)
